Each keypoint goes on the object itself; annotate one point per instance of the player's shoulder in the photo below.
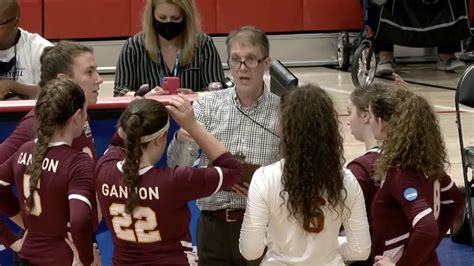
(68, 154)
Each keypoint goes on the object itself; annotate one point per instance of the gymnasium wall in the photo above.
(112, 19)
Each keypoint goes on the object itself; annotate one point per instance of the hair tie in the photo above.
(159, 133)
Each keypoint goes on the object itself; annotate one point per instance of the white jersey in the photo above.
(267, 223)
(27, 69)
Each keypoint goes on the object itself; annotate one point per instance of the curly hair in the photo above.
(413, 137)
(312, 147)
(141, 118)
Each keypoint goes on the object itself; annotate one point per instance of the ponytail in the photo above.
(133, 154)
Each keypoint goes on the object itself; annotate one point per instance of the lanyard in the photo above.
(174, 72)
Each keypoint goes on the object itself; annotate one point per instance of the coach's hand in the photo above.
(384, 261)
(241, 189)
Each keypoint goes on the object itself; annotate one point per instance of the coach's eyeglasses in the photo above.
(248, 62)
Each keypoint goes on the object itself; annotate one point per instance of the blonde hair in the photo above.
(187, 39)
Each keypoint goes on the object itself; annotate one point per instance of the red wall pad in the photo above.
(83, 19)
(333, 15)
(136, 12)
(207, 11)
(31, 17)
(268, 15)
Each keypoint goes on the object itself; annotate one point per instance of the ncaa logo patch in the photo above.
(410, 194)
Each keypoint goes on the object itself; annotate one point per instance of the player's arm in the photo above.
(451, 204)
(7, 237)
(24, 132)
(226, 169)
(356, 245)
(366, 183)
(424, 234)
(183, 149)
(254, 226)
(81, 197)
(195, 183)
(9, 205)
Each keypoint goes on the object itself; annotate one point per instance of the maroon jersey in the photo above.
(6, 236)
(363, 169)
(26, 130)
(158, 230)
(66, 175)
(410, 214)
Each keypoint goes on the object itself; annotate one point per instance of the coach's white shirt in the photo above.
(266, 223)
(28, 53)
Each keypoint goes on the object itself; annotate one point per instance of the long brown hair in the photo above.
(312, 147)
(141, 118)
(59, 99)
(188, 39)
(413, 136)
(59, 59)
(361, 95)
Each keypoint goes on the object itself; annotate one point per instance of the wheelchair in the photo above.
(412, 23)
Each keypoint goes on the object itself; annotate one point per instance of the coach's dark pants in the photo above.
(218, 243)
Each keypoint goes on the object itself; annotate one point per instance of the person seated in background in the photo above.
(20, 52)
(296, 206)
(171, 44)
(446, 59)
(244, 118)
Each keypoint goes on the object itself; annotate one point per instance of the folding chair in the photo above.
(465, 96)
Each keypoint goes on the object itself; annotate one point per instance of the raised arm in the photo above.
(182, 112)
(183, 149)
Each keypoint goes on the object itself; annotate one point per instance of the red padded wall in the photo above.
(207, 11)
(31, 17)
(136, 11)
(268, 15)
(333, 15)
(78, 19)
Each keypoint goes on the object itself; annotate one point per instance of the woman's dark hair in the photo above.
(142, 117)
(59, 99)
(312, 147)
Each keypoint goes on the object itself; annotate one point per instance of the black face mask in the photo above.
(6, 67)
(168, 30)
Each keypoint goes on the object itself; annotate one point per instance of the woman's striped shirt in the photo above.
(135, 67)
